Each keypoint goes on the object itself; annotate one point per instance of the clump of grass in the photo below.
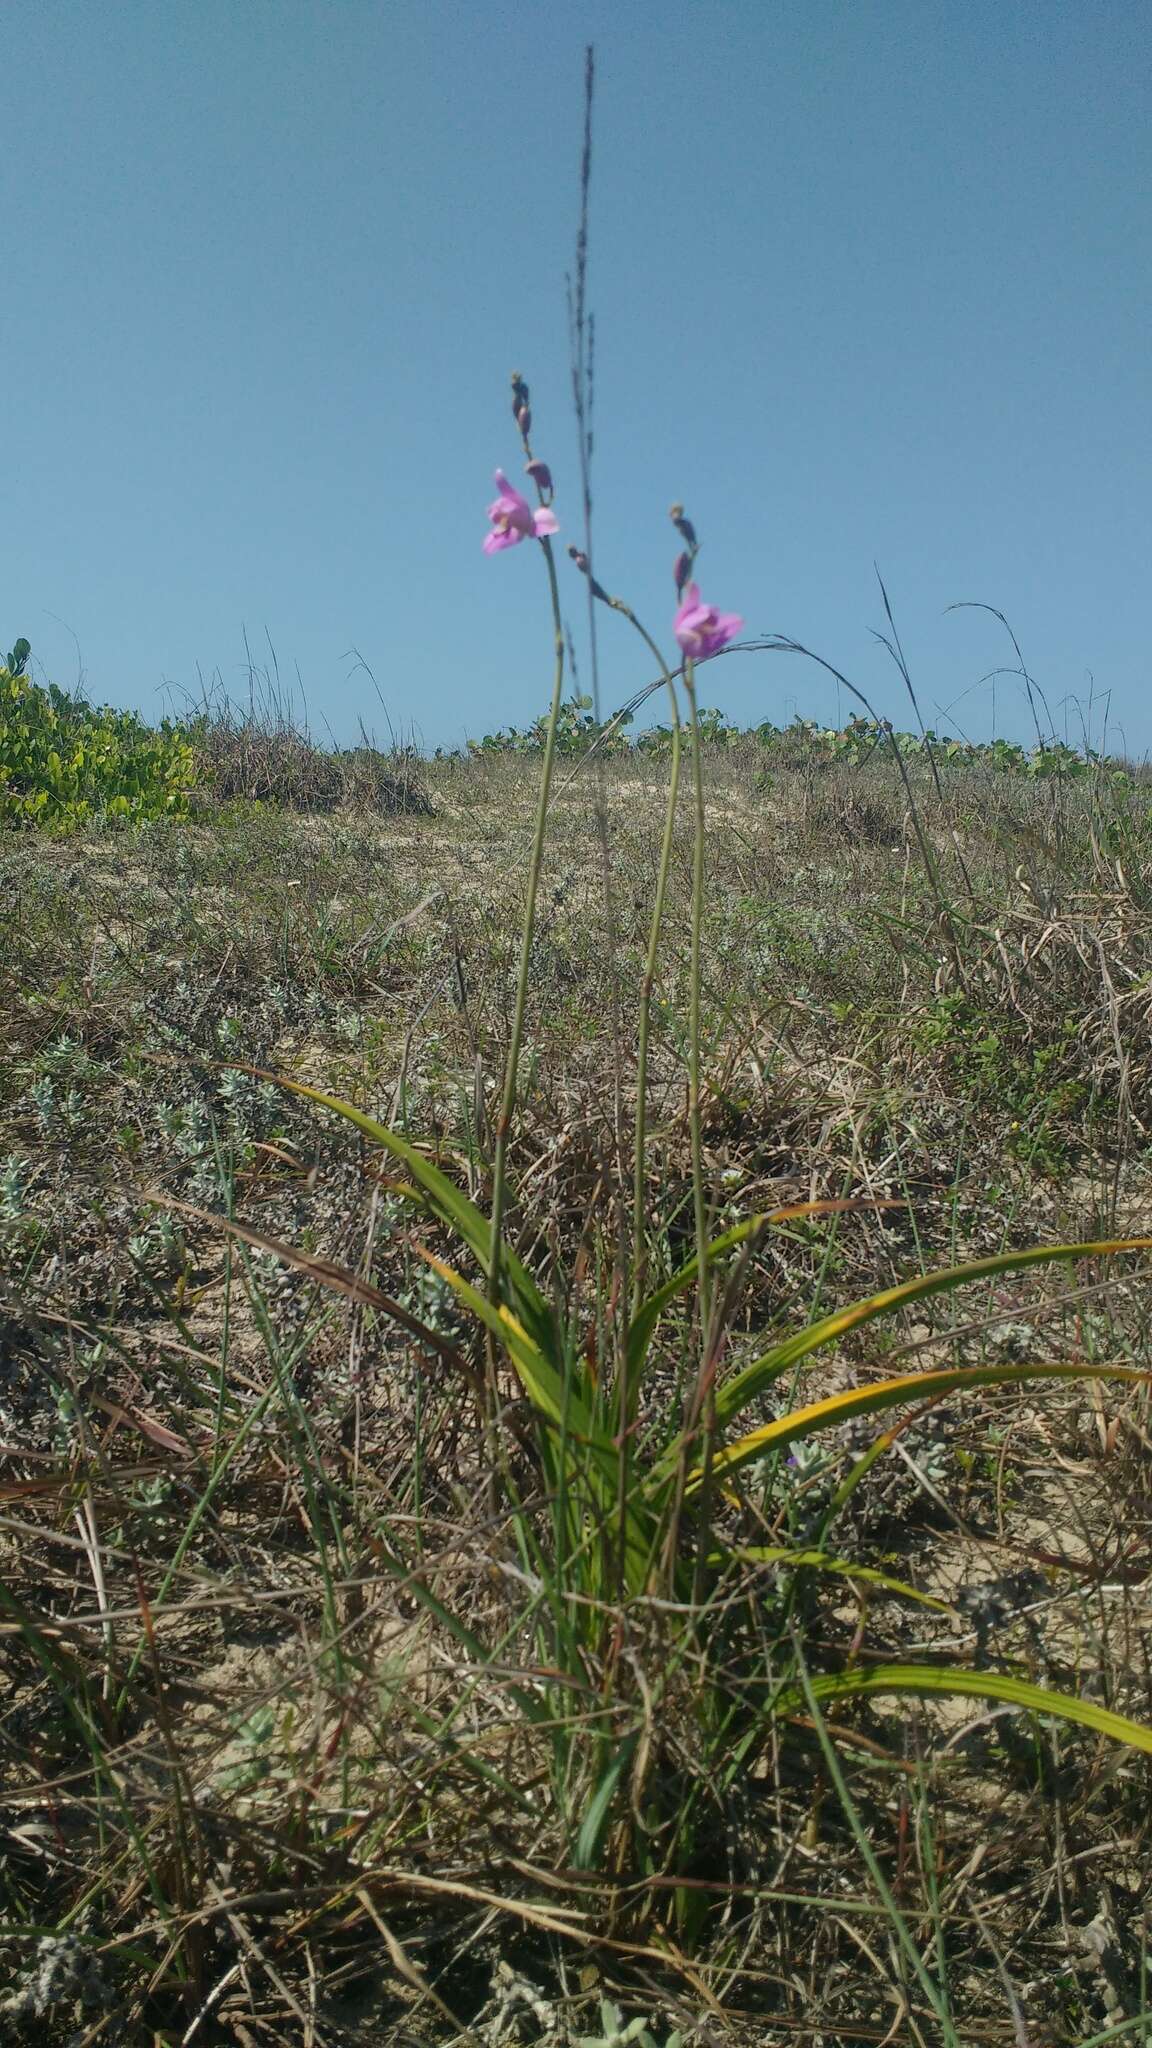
(259, 752)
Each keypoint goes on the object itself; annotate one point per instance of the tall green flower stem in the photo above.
(695, 973)
(647, 986)
(702, 1418)
(623, 1394)
(512, 1069)
(644, 1020)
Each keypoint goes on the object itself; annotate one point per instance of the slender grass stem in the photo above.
(935, 1991)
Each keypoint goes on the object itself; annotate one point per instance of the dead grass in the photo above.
(247, 1758)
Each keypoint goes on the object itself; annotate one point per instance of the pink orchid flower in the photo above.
(513, 519)
(700, 629)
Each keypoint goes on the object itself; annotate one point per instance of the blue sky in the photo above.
(871, 284)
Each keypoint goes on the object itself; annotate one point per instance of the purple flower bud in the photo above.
(541, 475)
(524, 420)
(684, 527)
(585, 568)
(682, 571)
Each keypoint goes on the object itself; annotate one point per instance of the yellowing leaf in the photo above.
(747, 1384)
(914, 1386)
(937, 1679)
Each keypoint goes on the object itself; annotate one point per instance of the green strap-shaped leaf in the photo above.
(452, 1207)
(650, 1311)
(645, 1320)
(592, 1460)
(822, 1561)
(595, 1820)
(745, 1385)
(912, 1386)
(543, 1381)
(941, 1680)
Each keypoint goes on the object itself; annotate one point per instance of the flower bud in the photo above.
(682, 569)
(684, 527)
(519, 394)
(524, 420)
(541, 476)
(582, 563)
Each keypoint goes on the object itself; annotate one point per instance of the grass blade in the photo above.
(441, 1195)
(940, 1680)
(587, 1848)
(745, 1385)
(822, 1561)
(913, 1386)
(645, 1320)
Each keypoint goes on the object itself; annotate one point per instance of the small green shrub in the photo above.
(807, 744)
(577, 731)
(65, 763)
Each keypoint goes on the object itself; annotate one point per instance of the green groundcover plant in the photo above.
(803, 741)
(65, 763)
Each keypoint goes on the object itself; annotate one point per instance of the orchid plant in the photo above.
(628, 1526)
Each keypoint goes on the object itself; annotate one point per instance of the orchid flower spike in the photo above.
(700, 629)
(513, 519)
